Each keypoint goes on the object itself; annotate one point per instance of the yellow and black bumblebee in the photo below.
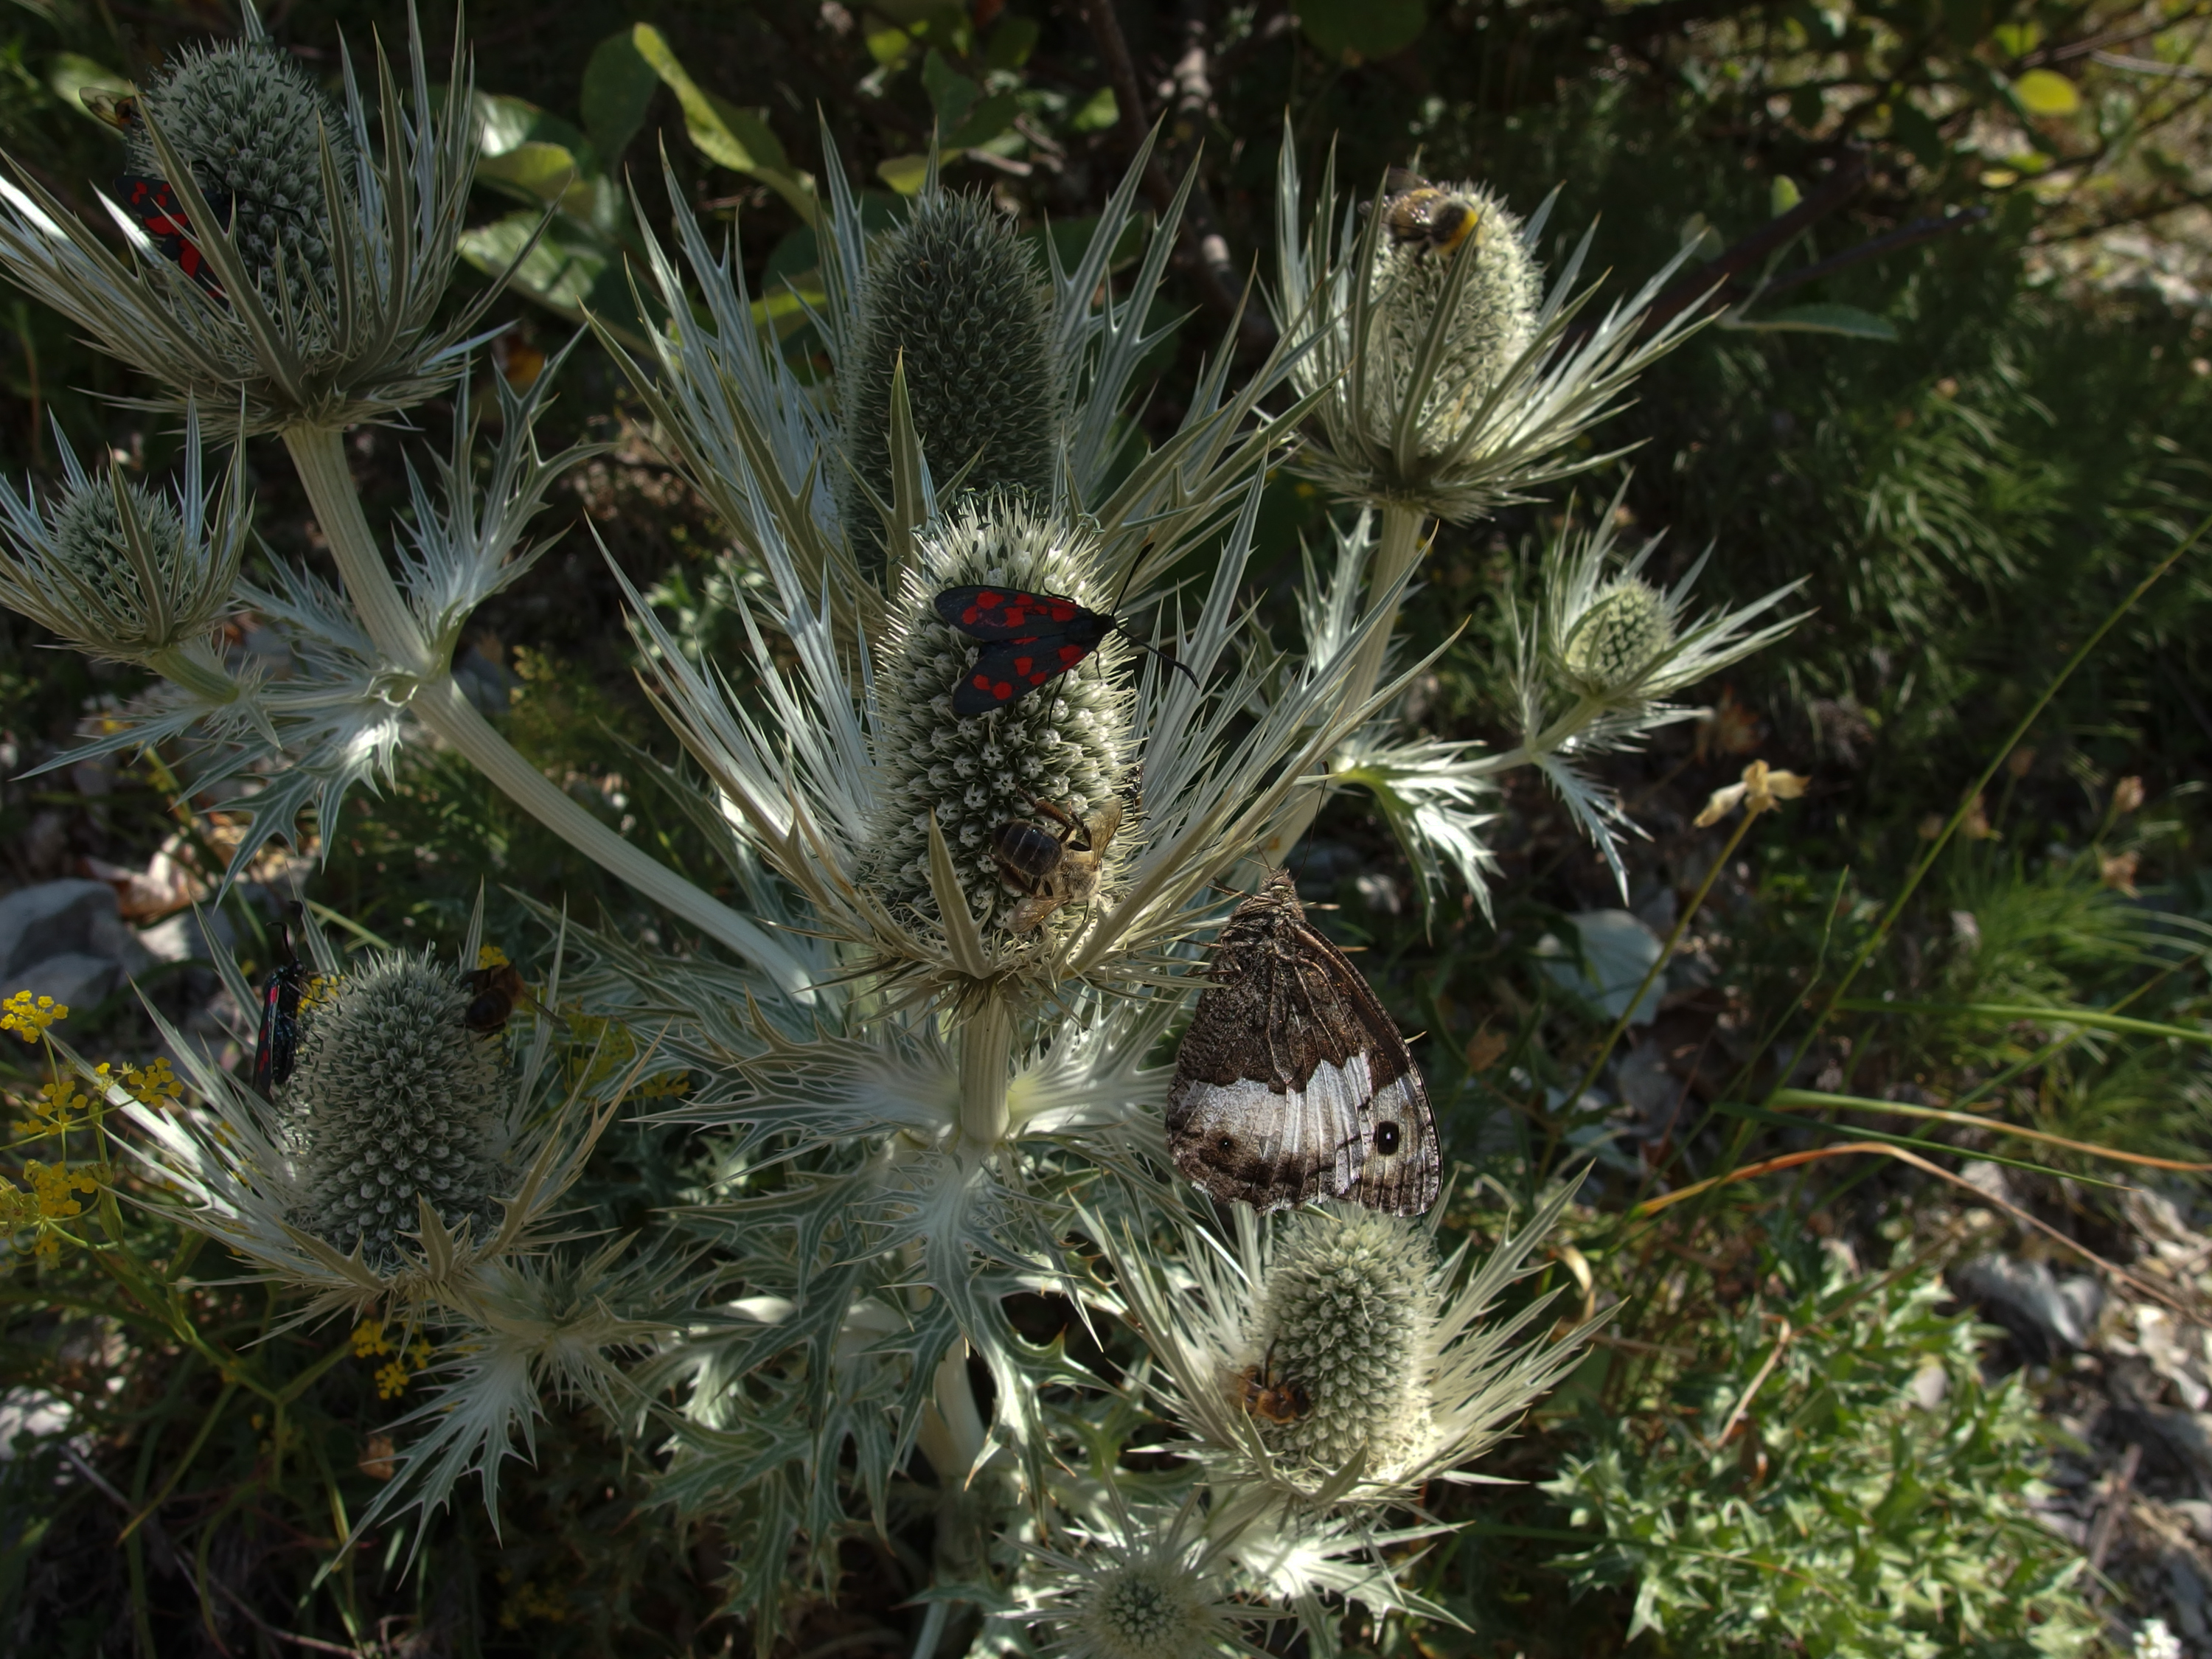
(1424, 217)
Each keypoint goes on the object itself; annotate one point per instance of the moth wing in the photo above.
(1011, 612)
(1004, 673)
(1394, 1110)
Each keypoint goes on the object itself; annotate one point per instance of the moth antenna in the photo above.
(1182, 669)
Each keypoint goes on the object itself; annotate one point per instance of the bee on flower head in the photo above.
(1421, 215)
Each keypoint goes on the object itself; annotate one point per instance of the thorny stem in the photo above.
(952, 1432)
(320, 455)
(987, 1051)
(202, 678)
(1396, 550)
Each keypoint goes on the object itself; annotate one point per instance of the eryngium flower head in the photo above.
(250, 125)
(1627, 627)
(120, 571)
(1066, 742)
(955, 294)
(392, 1101)
(332, 250)
(1346, 1317)
(1329, 1359)
(1137, 1591)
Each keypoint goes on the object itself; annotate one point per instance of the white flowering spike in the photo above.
(1346, 1317)
(324, 237)
(1449, 384)
(395, 1102)
(1067, 742)
(1328, 1358)
(125, 573)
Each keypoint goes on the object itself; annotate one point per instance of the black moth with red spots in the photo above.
(153, 202)
(1028, 639)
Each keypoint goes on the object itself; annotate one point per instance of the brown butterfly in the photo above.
(1292, 1083)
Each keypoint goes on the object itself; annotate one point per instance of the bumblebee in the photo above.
(1421, 215)
(1051, 870)
(493, 993)
(1276, 1400)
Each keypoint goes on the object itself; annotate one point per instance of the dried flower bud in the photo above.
(1065, 742)
(954, 294)
(394, 1100)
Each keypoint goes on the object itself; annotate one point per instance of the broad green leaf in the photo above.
(1363, 28)
(559, 272)
(2047, 92)
(1783, 194)
(888, 44)
(618, 87)
(507, 122)
(2017, 39)
(546, 172)
(1825, 319)
(951, 93)
(1098, 113)
(903, 174)
(1012, 42)
(985, 122)
(735, 138)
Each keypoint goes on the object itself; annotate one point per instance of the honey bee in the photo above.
(1051, 869)
(1418, 214)
(1277, 1400)
(120, 111)
(493, 993)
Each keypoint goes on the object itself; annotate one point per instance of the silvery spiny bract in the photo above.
(395, 1102)
(954, 297)
(250, 125)
(1066, 742)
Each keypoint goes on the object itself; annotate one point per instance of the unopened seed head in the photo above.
(1625, 630)
(392, 1100)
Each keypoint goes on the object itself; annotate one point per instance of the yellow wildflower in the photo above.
(490, 956)
(155, 1085)
(61, 1106)
(18, 1209)
(1761, 790)
(391, 1381)
(422, 1354)
(368, 1338)
(52, 1185)
(26, 1017)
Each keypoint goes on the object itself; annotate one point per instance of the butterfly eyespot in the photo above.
(1386, 1138)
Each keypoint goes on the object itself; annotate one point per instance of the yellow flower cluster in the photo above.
(368, 1338)
(391, 1381)
(27, 1018)
(392, 1377)
(60, 1107)
(51, 1185)
(155, 1085)
(490, 956)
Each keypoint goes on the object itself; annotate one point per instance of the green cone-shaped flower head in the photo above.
(955, 294)
(393, 1100)
(1066, 743)
(251, 124)
(1626, 627)
(91, 563)
(1346, 1317)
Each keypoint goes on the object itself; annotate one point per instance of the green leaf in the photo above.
(508, 122)
(735, 138)
(543, 172)
(2047, 92)
(1827, 320)
(1012, 42)
(570, 268)
(1099, 112)
(903, 174)
(618, 87)
(888, 44)
(985, 122)
(951, 93)
(1353, 29)
(1783, 194)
